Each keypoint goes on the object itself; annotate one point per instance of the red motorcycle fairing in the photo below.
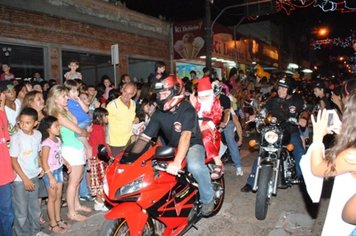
(135, 217)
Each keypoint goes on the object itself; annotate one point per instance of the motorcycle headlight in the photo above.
(271, 137)
(130, 187)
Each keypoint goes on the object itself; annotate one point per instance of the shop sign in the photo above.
(188, 41)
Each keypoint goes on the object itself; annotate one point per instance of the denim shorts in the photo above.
(57, 174)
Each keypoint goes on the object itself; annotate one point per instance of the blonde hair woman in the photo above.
(72, 148)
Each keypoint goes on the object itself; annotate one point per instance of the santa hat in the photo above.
(204, 87)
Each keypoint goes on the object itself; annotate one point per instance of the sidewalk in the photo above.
(89, 227)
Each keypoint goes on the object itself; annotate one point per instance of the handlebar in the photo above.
(162, 166)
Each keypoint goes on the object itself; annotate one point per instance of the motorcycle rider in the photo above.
(286, 108)
(178, 121)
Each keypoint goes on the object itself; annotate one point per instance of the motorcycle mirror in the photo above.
(290, 147)
(103, 153)
(164, 152)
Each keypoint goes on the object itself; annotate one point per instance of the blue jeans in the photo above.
(229, 134)
(200, 172)
(298, 152)
(83, 187)
(6, 210)
(58, 176)
(27, 210)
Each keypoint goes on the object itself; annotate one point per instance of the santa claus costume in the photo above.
(209, 115)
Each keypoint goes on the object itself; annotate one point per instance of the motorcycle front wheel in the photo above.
(120, 227)
(262, 198)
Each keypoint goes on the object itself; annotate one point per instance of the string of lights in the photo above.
(344, 6)
(337, 42)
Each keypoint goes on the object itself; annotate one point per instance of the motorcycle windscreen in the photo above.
(134, 150)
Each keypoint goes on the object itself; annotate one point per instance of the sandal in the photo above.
(84, 209)
(77, 217)
(57, 229)
(63, 224)
(217, 172)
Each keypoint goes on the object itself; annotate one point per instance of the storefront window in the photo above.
(23, 60)
(140, 69)
(91, 66)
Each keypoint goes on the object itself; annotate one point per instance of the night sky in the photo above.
(302, 22)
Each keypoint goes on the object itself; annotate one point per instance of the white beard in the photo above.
(206, 104)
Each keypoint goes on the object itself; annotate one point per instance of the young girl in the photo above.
(98, 167)
(142, 117)
(52, 164)
(72, 148)
(73, 73)
(106, 81)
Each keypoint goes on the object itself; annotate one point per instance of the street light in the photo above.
(323, 31)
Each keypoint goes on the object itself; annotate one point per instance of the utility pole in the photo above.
(210, 25)
(208, 35)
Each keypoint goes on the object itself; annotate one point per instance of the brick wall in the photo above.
(59, 32)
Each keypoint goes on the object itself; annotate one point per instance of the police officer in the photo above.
(286, 108)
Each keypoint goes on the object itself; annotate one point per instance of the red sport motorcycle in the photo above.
(146, 200)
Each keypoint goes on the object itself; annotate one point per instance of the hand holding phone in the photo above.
(334, 122)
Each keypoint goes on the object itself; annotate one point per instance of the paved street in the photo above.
(287, 213)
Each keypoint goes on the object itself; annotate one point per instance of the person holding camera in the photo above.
(286, 107)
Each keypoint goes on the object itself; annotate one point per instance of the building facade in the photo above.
(43, 35)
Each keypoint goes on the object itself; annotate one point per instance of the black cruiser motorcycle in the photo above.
(275, 163)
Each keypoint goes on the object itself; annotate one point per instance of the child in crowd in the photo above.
(7, 176)
(73, 73)
(12, 107)
(72, 148)
(98, 167)
(142, 116)
(21, 89)
(34, 99)
(84, 97)
(80, 110)
(7, 75)
(37, 86)
(52, 163)
(94, 103)
(24, 150)
(106, 81)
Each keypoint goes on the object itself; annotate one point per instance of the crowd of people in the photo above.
(50, 133)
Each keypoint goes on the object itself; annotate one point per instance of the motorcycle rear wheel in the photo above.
(262, 198)
(120, 227)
